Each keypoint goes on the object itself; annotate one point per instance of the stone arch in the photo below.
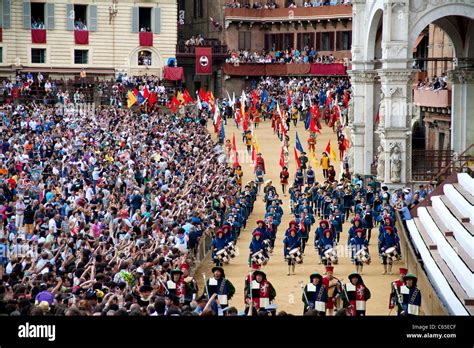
(375, 18)
(469, 43)
(435, 15)
(156, 58)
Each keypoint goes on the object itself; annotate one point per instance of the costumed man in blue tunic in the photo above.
(325, 243)
(219, 285)
(411, 296)
(359, 242)
(289, 243)
(218, 243)
(315, 294)
(257, 244)
(389, 240)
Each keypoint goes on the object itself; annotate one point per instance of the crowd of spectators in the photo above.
(37, 24)
(272, 4)
(307, 55)
(434, 84)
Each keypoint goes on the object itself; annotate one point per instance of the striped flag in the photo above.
(297, 158)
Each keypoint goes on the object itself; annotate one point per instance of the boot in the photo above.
(289, 268)
(385, 269)
(390, 269)
(293, 267)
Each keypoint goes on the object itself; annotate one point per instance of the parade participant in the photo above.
(191, 283)
(271, 231)
(303, 162)
(357, 243)
(284, 175)
(395, 291)
(263, 229)
(257, 244)
(312, 143)
(218, 243)
(310, 176)
(325, 163)
(248, 141)
(177, 287)
(221, 286)
(259, 178)
(299, 179)
(341, 145)
(325, 243)
(291, 224)
(356, 224)
(323, 225)
(331, 174)
(355, 295)
(238, 175)
(332, 285)
(389, 240)
(229, 233)
(337, 222)
(289, 243)
(315, 295)
(368, 220)
(411, 296)
(259, 290)
(306, 221)
(260, 162)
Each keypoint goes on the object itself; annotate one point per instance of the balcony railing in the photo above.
(218, 49)
(435, 99)
(288, 14)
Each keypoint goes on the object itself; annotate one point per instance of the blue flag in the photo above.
(264, 96)
(308, 120)
(272, 105)
(222, 133)
(140, 98)
(299, 147)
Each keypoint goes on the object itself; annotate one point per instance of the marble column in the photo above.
(395, 132)
(362, 125)
(462, 108)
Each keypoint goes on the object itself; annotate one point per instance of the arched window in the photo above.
(144, 58)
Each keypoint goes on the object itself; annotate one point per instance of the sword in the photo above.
(305, 297)
(397, 299)
(205, 285)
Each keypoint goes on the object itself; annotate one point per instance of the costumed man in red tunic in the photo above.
(259, 162)
(177, 287)
(355, 295)
(312, 143)
(332, 285)
(259, 290)
(394, 288)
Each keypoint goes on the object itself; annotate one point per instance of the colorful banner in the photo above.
(203, 61)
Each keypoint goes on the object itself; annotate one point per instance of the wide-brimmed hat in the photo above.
(355, 275)
(410, 276)
(316, 275)
(176, 270)
(257, 272)
(220, 269)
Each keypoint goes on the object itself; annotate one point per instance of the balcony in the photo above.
(287, 14)
(434, 99)
(219, 50)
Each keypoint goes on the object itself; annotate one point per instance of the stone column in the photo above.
(395, 132)
(462, 108)
(362, 125)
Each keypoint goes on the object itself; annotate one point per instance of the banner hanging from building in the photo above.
(203, 60)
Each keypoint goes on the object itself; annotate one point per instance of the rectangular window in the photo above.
(80, 17)
(198, 9)
(288, 41)
(38, 55)
(305, 39)
(37, 15)
(144, 18)
(325, 42)
(1, 55)
(346, 40)
(81, 56)
(245, 40)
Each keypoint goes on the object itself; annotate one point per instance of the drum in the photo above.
(330, 255)
(296, 255)
(231, 249)
(259, 258)
(362, 256)
(392, 254)
(223, 256)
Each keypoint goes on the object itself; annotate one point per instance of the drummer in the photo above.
(389, 244)
(289, 243)
(257, 245)
(218, 243)
(358, 243)
(325, 243)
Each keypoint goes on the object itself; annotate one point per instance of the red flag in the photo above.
(289, 98)
(253, 153)
(297, 158)
(217, 126)
(328, 147)
(246, 123)
(234, 149)
(152, 99)
(282, 157)
(239, 116)
(312, 126)
(203, 61)
(175, 104)
(135, 91)
(346, 143)
(146, 93)
(255, 98)
(187, 97)
(377, 117)
(202, 95)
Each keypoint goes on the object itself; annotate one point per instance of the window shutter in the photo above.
(248, 40)
(135, 20)
(49, 16)
(331, 40)
(69, 17)
(156, 24)
(349, 40)
(318, 41)
(92, 18)
(6, 14)
(312, 36)
(338, 40)
(26, 15)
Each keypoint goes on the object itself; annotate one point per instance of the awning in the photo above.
(418, 40)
